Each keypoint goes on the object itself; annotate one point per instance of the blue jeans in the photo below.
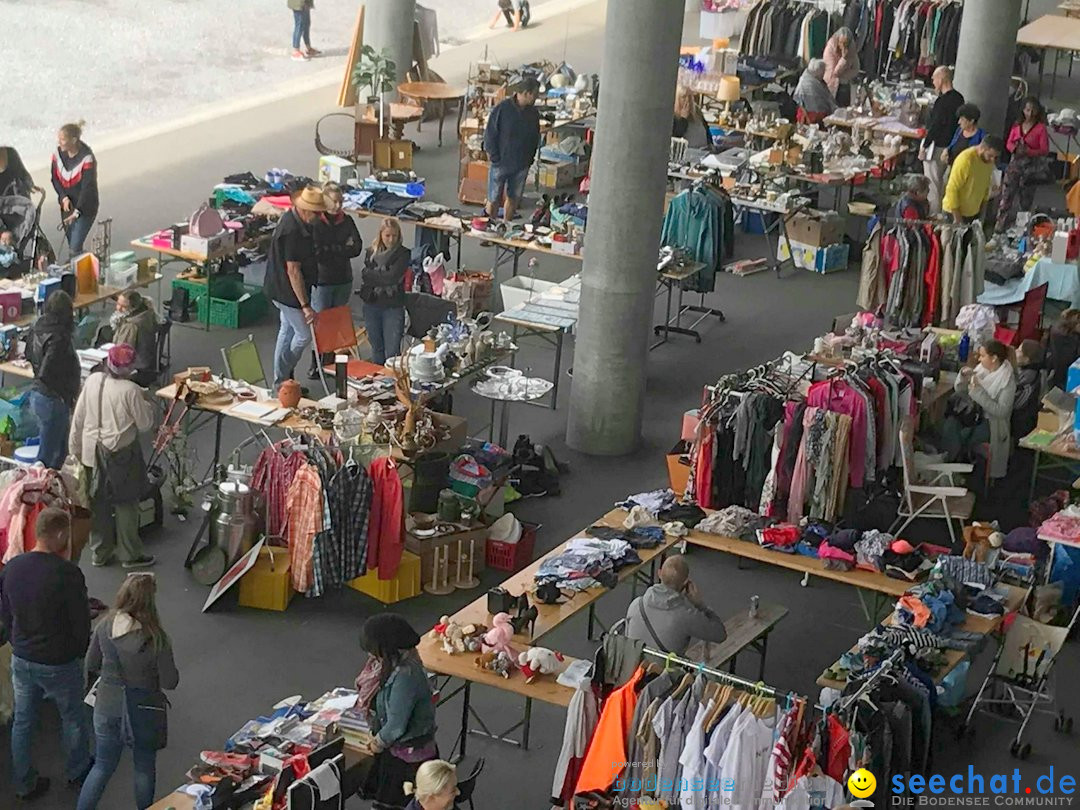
(508, 184)
(77, 233)
(385, 328)
(53, 418)
(328, 296)
(301, 28)
(294, 336)
(111, 734)
(62, 684)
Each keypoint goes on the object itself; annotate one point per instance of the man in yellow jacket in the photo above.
(969, 182)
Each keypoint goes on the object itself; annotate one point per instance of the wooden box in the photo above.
(267, 585)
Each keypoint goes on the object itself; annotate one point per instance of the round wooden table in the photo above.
(435, 91)
(400, 115)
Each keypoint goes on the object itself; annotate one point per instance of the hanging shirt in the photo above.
(386, 529)
(304, 508)
(581, 718)
(745, 761)
(692, 793)
(814, 793)
(607, 751)
(714, 754)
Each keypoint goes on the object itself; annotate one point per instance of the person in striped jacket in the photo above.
(74, 177)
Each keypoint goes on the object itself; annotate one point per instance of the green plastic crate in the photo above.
(226, 308)
(197, 287)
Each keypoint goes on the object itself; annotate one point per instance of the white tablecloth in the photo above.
(1064, 280)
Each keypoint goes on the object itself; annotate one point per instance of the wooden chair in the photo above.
(940, 498)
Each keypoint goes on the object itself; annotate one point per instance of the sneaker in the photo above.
(299, 56)
(311, 52)
(36, 792)
(99, 562)
(145, 561)
(229, 762)
(313, 373)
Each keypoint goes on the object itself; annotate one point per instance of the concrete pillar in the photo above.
(984, 60)
(389, 24)
(629, 167)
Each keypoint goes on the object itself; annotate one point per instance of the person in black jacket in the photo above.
(337, 242)
(1064, 348)
(939, 133)
(15, 180)
(382, 289)
(74, 176)
(511, 138)
(51, 352)
(44, 606)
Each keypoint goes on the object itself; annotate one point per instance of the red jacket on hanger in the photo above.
(386, 526)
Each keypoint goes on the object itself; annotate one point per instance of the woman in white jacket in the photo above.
(991, 385)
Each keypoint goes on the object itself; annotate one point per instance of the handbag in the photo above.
(205, 222)
(120, 475)
(148, 716)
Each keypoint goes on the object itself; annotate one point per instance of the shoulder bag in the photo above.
(119, 475)
(648, 626)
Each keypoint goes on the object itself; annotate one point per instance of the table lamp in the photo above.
(728, 92)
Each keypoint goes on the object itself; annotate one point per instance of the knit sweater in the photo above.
(76, 178)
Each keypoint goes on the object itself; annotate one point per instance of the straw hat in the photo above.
(310, 199)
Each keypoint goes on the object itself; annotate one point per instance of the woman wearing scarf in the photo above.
(991, 385)
(402, 710)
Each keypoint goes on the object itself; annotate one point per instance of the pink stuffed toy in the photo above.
(497, 639)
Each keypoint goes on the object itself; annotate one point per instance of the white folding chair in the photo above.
(930, 490)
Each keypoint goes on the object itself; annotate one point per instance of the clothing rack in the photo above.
(886, 667)
(754, 687)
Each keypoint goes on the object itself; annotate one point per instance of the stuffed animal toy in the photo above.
(439, 630)
(497, 639)
(474, 637)
(498, 662)
(977, 541)
(538, 661)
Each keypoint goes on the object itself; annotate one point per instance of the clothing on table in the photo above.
(701, 221)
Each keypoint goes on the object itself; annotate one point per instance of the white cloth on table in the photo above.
(1064, 281)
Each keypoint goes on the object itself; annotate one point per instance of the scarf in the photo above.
(367, 683)
(994, 382)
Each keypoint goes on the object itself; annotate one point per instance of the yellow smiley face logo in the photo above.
(861, 783)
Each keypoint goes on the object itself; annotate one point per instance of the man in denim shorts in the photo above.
(511, 139)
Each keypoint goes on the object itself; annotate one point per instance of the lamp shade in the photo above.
(729, 89)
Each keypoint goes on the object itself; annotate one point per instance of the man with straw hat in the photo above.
(290, 274)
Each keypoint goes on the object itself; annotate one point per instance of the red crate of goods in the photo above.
(512, 556)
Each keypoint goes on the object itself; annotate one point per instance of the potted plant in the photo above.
(377, 72)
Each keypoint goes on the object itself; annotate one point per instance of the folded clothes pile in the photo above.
(586, 563)
(733, 521)
(637, 537)
(655, 502)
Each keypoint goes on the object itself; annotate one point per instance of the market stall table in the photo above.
(972, 624)
(1051, 32)
(535, 389)
(1064, 281)
(884, 125)
(435, 91)
(672, 278)
(400, 115)
(169, 255)
(1052, 452)
(86, 300)
(550, 316)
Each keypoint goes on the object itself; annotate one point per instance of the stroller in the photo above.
(1019, 683)
(22, 217)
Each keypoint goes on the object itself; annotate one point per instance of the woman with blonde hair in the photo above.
(382, 289)
(435, 787)
(74, 178)
(131, 653)
(689, 123)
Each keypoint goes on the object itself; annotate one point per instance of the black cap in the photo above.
(526, 85)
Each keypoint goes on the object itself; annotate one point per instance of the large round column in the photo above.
(984, 60)
(389, 24)
(626, 203)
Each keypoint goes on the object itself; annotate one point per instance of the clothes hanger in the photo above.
(687, 680)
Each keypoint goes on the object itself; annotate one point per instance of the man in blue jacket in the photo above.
(511, 138)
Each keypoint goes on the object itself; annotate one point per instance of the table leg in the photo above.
(666, 328)
(761, 663)
(526, 722)
(517, 255)
(1053, 76)
(464, 736)
(504, 423)
(731, 663)
(592, 619)
(442, 116)
(209, 291)
(217, 442)
(559, 336)
(457, 238)
(1034, 475)
(460, 113)
(491, 423)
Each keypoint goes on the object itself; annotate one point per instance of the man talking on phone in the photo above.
(671, 617)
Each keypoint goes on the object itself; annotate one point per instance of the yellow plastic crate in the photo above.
(405, 585)
(268, 588)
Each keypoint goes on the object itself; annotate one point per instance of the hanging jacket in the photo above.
(51, 351)
(336, 242)
(871, 280)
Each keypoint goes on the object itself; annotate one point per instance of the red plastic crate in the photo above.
(512, 556)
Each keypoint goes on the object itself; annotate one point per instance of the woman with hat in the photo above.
(110, 413)
(400, 707)
(291, 272)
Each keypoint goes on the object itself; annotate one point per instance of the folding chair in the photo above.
(467, 784)
(938, 498)
(1029, 325)
(242, 362)
(333, 332)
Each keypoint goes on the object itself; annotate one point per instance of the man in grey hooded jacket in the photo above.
(672, 614)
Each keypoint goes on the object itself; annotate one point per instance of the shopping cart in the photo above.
(1019, 684)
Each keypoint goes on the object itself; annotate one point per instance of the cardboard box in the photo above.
(477, 170)
(815, 230)
(401, 155)
(569, 248)
(826, 259)
(557, 174)
(473, 192)
(334, 169)
(209, 247)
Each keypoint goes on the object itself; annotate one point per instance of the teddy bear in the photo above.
(979, 538)
(497, 639)
(474, 637)
(498, 662)
(538, 661)
(451, 633)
